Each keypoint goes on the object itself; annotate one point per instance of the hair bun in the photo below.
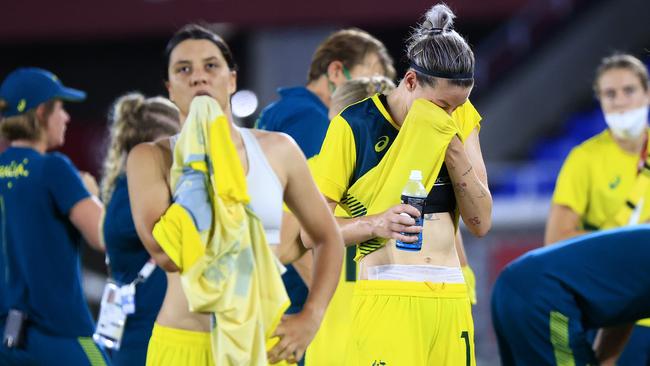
(439, 19)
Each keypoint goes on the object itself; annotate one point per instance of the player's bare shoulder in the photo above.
(281, 151)
(276, 144)
(151, 155)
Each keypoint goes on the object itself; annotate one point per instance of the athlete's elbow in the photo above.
(160, 257)
(164, 262)
(480, 232)
(479, 228)
(333, 241)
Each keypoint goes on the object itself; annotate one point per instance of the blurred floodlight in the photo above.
(244, 103)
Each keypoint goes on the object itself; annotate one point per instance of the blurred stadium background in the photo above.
(535, 65)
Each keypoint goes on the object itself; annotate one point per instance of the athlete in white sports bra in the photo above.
(200, 63)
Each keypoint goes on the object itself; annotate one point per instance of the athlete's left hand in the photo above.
(296, 331)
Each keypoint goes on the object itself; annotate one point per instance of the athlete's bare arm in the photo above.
(291, 249)
(610, 342)
(150, 196)
(389, 224)
(469, 176)
(308, 205)
(562, 223)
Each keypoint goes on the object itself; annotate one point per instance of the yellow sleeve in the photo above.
(177, 236)
(467, 118)
(572, 186)
(333, 167)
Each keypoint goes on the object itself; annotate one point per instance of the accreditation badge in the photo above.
(112, 319)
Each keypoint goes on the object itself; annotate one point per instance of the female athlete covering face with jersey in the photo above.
(411, 307)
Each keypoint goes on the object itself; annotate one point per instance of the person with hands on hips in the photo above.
(200, 63)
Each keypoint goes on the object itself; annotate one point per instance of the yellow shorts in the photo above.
(411, 323)
(179, 347)
(329, 345)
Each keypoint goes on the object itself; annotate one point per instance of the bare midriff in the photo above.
(437, 247)
(175, 311)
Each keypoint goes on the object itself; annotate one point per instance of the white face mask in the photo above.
(628, 125)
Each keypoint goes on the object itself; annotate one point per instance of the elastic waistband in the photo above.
(407, 288)
(177, 336)
(416, 273)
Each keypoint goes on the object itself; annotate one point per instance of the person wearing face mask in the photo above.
(603, 183)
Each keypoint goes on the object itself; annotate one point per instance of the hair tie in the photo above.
(429, 29)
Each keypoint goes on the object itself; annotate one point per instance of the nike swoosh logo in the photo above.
(382, 143)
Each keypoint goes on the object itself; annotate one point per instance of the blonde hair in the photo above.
(134, 119)
(350, 46)
(25, 126)
(358, 89)
(621, 61)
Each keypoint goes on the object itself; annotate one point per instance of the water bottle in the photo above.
(414, 194)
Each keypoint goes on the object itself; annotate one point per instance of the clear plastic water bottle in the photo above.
(414, 194)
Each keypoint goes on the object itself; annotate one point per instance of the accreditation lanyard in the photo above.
(117, 303)
(127, 291)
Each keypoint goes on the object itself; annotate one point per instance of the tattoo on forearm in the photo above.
(461, 189)
(481, 192)
(467, 171)
(474, 220)
(470, 196)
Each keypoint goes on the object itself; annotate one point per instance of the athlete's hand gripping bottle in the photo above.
(414, 194)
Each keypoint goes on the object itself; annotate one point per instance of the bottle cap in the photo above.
(416, 175)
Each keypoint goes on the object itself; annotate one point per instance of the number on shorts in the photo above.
(465, 334)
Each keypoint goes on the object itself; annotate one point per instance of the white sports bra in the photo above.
(264, 187)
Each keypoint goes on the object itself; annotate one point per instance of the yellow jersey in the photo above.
(595, 181)
(356, 141)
